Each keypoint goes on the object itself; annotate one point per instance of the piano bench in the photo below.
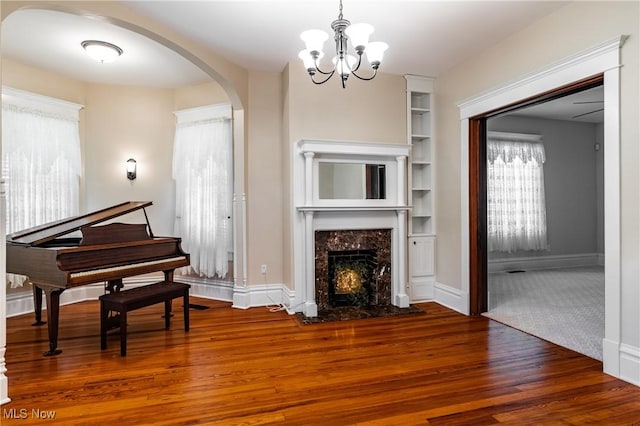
(129, 300)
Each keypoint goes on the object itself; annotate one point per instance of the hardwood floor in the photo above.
(259, 367)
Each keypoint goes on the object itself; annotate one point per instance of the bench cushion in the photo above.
(139, 297)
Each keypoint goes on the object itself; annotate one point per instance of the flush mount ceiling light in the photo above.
(101, 51)
(344, 63)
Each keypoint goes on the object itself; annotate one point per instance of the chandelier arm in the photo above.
(357, 67)
(375, 72)
(329, 75)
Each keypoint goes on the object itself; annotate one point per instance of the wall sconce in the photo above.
(131, 169)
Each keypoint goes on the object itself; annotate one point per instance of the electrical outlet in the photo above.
(263, 269)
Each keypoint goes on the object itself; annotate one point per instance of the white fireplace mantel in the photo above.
(311, 213)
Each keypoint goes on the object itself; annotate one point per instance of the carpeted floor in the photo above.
(563, 306)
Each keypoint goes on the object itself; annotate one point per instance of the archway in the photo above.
(232, 80)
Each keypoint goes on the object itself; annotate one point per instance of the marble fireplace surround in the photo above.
(377, 241)
(313, 214)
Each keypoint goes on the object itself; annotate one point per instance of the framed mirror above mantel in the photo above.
(352, 174)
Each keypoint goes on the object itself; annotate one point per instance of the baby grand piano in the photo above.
(106, 253)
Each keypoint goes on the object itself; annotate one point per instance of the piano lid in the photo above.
(49, 231)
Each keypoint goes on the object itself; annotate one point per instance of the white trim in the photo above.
(310, 213)
(278, 295)
(603, 58)
(451, 297)
(207, 112)
(592, 61)
(612, 227)
(543, 262)
(630, 364)
(341, 148)
(35, 101)
(514, 136)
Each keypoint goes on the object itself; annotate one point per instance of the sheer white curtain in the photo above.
(203, 171)
(41, 161)
(516, 212)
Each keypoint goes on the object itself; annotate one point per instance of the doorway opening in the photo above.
(545, 224)
(478, 244)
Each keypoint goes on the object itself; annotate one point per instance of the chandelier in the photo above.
(343, 63)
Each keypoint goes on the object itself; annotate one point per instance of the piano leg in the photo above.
(53, 315)
(168, 276)
(37, 304)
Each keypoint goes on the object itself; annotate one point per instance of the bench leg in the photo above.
(104, 316)
(186, 310)
(167, 314)
(123, 333)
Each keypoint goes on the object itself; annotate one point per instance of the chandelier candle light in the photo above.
(343, 63)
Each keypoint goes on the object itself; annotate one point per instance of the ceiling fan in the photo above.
(590, 112)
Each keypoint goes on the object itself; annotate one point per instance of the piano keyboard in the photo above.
(132, 266)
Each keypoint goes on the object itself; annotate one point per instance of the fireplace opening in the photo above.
(352, 278)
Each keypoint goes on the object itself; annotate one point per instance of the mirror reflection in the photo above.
(351, 181)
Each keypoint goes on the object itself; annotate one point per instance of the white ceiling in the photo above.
(586, 106)
(51, 40)
(424, 37)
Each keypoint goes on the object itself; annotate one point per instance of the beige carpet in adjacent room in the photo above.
(563, 306)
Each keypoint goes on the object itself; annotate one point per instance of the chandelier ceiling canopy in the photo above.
(344, 63)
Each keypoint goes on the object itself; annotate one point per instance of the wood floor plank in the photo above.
(256, 367)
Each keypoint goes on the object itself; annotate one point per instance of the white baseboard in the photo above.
(242, 297)
(251, 296)
(545, 262)
(630, 364)
(208, 289)
(451, 298)
(22, 303)
(4, 381)
(621, 361)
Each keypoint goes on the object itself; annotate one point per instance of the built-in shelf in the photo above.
(421, 223)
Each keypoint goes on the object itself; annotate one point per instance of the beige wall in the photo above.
(20, 76)
(199, 95)
(366, 111)
(130, 122)
(574, 28)
(264, 179)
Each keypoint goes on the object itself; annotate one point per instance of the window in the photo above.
(516, 214)
(203, 172)
(41, 161)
